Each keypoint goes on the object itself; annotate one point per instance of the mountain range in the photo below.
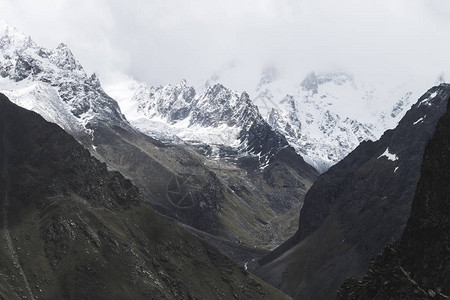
(324, 119)
(263, 176)
(327, 114)
(322, 173)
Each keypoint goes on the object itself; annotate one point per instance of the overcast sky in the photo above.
(164, 41)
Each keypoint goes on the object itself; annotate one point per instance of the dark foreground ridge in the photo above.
(418, 266)
(73, 230)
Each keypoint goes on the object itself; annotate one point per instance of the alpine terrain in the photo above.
(328, 114)
(71, 229)
(156, 192)
(248, 197)
(356, 207)
(418, 266)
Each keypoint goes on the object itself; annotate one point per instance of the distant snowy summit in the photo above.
(326, 117)
(222, 122)
(323, 117)
(329, 114)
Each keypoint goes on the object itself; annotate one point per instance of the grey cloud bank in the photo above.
(162, 42)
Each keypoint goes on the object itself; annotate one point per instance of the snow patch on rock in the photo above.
(388, 155)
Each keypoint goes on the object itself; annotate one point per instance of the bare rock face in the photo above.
(418, 266)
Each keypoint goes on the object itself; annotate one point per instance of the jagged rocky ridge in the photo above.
(74, 230)
(238, 201)
(356, 207)
(219, 122)
(418, 266)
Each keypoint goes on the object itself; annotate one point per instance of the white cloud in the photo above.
(165, 41)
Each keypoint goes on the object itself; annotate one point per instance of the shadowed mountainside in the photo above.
(71, 229)
(418, 266)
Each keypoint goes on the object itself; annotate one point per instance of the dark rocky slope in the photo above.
(73, 230)
(418, 266)
(356, 207)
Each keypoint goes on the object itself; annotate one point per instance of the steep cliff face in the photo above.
(356, 207)
(418, 266)
(71, 229)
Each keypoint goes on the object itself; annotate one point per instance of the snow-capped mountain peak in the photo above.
(72, 99)
(324, 116)
(226, 122)
(10, 36)
(64, 59)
